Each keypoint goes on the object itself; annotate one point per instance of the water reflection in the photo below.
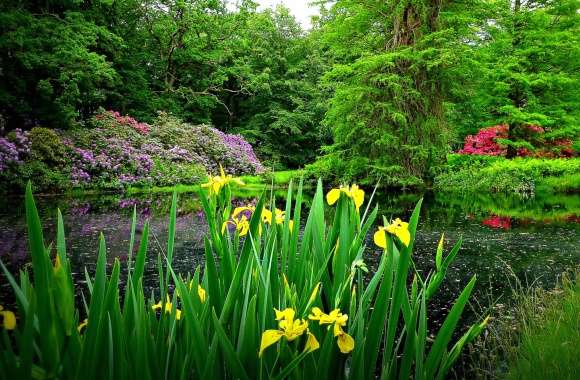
(535, 239)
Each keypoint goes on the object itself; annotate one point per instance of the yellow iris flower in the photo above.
(242, 224)
(344, 341)
(57, 264)
(168, 307)
(82, 325)
(267, 216)
(398, 228)
(353, 192)
(278, 217)
(201, 293)
(289, 328)
(8, 319)
(215, 183)
(239, 210)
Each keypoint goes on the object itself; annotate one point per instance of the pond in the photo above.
(503, 238)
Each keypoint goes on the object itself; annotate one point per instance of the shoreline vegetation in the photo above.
(524, 177)
(535, 337)
(279, 179)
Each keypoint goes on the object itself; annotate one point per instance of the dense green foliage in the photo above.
(412, 77)
(386, 89)
(116, 152)
(527, 73)
(523, 176)
(393, 72)
(241, 70)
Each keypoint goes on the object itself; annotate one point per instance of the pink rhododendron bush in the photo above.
(519, 161)
(484, 142)
(526, 140)
(115, 150)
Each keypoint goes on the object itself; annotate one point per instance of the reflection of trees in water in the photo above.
(547, 208)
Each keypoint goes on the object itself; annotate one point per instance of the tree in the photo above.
(282, 116)
(530, 73)
(243, 70)
(391, 78)
(54, 65)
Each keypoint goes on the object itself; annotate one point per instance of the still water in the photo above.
(503, 238)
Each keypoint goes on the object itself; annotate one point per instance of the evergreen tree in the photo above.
(529, 65)
(391, 79)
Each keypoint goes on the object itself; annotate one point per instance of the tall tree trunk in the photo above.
(516, 94)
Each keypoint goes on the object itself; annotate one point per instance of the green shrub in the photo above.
(46, 146)
(325, 168)
(521, 175)
(45, 177)
(168, 173)
(461, 161)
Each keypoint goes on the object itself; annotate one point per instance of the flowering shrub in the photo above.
(116, 151)
(142, 128)
(8, 154)
(20, 160)
(113, 159)
(558, 148)
(527, 140)
(14, 149)
(241, 152)
(534, 128)
(208, 146)
(484, 142)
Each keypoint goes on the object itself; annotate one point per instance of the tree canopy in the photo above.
(375, 89)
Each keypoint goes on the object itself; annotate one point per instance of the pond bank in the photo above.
(522, 176)
(253, 183)
(537, 336)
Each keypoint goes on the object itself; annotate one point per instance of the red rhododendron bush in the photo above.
(488, 142)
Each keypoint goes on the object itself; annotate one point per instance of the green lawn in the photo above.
(253, 183)
(277, 178)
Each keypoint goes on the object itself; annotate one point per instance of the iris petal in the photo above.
(9, 319)
(380, 238)
(269, 337)
(345, 343)
(404, 235)
(82, 325)
(312, 343)
(201, 293)
(332, 196)
(357, 195)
